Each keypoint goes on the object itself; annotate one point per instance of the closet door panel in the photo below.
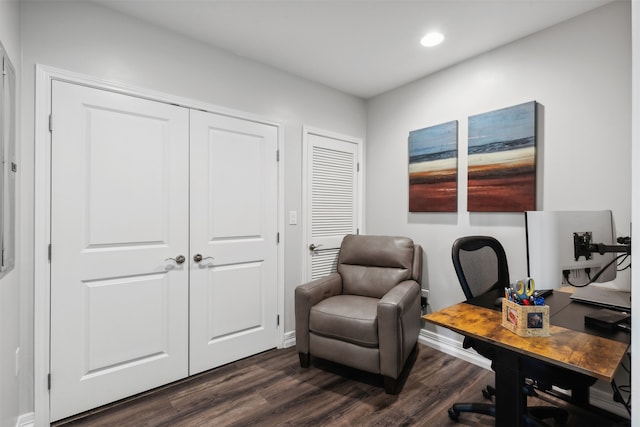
(119, 221)
(233, 231)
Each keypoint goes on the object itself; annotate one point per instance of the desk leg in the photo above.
(511, 402)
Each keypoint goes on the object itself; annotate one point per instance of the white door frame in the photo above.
(42, 212)
(306, 131)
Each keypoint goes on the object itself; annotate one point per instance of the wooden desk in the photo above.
(577, 351)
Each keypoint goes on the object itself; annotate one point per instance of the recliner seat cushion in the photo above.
(350, 318)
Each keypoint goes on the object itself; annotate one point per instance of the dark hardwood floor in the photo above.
(271, 389)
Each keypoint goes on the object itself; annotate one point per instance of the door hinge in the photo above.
(278, 320)
(277, 155)
(49, 252)
(50, 122)
(358, 167)
(48, 381)
(357, 231)
(277, 237)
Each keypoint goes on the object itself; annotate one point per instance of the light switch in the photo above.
(293, 217)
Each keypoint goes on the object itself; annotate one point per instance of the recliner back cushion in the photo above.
(372, 265)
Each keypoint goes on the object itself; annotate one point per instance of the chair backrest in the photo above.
(481, 264)
(372, 265)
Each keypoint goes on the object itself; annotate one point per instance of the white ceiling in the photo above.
(362, 47)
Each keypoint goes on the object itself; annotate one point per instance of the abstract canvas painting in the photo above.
(502, 160)
(433, 168)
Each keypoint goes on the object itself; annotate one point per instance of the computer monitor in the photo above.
(551, 255)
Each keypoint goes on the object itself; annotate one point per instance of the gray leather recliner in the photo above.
(367, 314)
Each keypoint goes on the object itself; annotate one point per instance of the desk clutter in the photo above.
(608, 319)
(523, 310)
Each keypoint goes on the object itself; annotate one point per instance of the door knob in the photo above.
(198, 257)
(178, 260)
(313, 246)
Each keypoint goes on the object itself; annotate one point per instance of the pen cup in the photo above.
(525, 320)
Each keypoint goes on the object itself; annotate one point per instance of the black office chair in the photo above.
(481, 265)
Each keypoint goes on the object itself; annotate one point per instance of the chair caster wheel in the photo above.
(453, 414)
(486, 394)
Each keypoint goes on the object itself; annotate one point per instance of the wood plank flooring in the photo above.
(271, 389)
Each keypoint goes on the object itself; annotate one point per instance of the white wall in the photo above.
(10, 314)
(582, 81)
(86, 38)
(579, 71)
(635, 198)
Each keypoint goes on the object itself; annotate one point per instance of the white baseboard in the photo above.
(452, 347)
(26, 420)
(289, 339)
(604, 400)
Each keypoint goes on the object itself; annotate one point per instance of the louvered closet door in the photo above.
(332, 202)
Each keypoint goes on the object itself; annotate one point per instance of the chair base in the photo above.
(392, 386)
(533, 416)
(488, 392)
(476, 408)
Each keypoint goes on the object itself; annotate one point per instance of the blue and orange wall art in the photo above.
(433, 168)
(502, 160)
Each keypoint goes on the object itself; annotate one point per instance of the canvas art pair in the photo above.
(501, 154)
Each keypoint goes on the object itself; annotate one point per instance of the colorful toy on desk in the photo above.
(522, 292)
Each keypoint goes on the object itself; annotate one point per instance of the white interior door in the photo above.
(119, 191)
(332, 197)
(234, 207)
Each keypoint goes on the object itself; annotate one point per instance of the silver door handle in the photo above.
(198, 258)
(178, 260)
(313, 246)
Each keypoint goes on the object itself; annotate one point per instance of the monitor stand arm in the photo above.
(582, 246)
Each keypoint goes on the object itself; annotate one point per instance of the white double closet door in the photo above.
(163, 234)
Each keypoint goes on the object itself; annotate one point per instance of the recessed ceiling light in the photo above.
(433, 38)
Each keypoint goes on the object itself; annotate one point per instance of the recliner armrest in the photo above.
(308, 295)
(398, 326)
(400, 296)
